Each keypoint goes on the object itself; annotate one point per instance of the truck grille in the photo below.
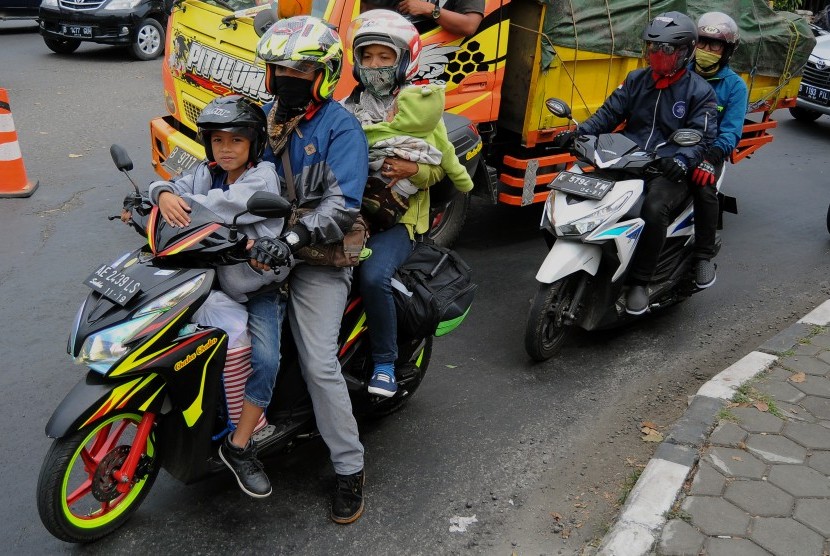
(191, 111)
(81, 5)
(815, 76)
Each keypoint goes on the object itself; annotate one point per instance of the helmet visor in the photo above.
(660, 47)
(302, 66)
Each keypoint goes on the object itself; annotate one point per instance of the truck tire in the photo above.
(447, 219)
(148, 42)
(62, 46)
(804, 115)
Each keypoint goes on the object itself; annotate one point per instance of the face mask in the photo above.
(378, 81)
(706, 63)
(663, 64)
(293, 95)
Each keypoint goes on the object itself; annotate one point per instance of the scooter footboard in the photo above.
(567, 257)
(94, 398)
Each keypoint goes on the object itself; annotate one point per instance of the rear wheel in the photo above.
(77, 495)
(62, 46)
(148, 42)
(546, 329)
(804, 115)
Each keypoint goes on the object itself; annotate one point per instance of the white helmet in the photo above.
(389, 29)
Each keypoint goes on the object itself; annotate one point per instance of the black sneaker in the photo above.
(248, 470)
(636, 302)
(347, 505)
(705, 274)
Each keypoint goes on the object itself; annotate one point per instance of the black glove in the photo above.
(672, 169)
(564, 139)
(271, 251)
(715, 155)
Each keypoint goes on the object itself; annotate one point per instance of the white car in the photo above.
(814, 92)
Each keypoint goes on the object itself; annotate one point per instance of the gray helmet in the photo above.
(674, 29)
(236, 114)
(720, 27)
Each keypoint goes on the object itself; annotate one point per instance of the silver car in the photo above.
(814, 92)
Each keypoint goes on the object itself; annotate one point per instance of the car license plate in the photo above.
(114, 284)
(816, 94)
(81, 31)
(179, 162)
(581, 185)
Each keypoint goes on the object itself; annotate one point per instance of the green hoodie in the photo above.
(420, 111)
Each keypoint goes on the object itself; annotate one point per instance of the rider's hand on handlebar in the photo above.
(704, 175)
(672, 169)
(269, 253)
(565, 139)
(174, 209)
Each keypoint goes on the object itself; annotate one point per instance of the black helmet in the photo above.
(670, 31)
(236, 114)
(718, 26)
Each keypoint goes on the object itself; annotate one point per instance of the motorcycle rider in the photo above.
(232, 129)
(654, 102)
(328, 163)
(718, 38)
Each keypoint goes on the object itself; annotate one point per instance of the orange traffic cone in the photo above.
(13, 180)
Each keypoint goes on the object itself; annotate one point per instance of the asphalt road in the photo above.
(489, 434)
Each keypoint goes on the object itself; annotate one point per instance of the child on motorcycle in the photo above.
(414, 130)
(232, 129)
(654, 102)
(718, 38)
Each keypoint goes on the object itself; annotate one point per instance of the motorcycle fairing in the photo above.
(569, 257)
(94, 397)
(206, 234)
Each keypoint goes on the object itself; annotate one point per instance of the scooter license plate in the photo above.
(113, 284)
(581, 185)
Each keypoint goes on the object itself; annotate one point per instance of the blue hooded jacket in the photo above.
(732, 102)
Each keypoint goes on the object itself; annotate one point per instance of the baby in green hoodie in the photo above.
(414, 131)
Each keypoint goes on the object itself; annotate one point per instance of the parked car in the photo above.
(814, 91)
(137, 24)
(18, 9)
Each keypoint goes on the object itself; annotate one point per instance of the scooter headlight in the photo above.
(589, 223)
(102, 349)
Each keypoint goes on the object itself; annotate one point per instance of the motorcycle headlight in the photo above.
(122, 4)
(102, 349)
(590, 222)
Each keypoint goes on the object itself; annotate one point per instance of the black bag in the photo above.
(433, 291)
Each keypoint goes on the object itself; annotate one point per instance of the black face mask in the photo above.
(293, 96)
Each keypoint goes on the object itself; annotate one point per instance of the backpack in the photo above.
(433, 291)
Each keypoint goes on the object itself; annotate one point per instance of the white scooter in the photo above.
(592, 224)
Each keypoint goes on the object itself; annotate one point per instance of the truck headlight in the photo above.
(591, 221)
(104, 348)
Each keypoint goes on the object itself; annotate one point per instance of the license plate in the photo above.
(113, 284)
(581, 185)
(82, 31)
(179, 162)
(816, 94)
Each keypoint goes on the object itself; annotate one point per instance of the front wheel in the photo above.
(547, 325)
(148, 42)
(803, 114)
(62, 46)
(77, 495)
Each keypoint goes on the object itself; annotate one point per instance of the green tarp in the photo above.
(772, 43)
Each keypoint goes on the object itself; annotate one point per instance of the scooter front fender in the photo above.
(93, 398)
(567, 257)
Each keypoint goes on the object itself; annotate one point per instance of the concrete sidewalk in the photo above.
(746, 469)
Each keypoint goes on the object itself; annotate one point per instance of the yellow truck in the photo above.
(524, 52)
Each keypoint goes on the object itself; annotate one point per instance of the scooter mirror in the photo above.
(121, 158)
(558, 107)
(686, 137)
(269, 205)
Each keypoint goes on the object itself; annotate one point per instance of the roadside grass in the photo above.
(628, 485)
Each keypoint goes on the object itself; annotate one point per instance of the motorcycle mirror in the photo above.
(686, 137)
(263, 21)
(558, 107)
(121, 158)
(269, 205)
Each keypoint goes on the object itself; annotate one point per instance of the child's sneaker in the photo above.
(383, 384)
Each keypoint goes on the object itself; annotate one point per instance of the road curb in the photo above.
(643, 516)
